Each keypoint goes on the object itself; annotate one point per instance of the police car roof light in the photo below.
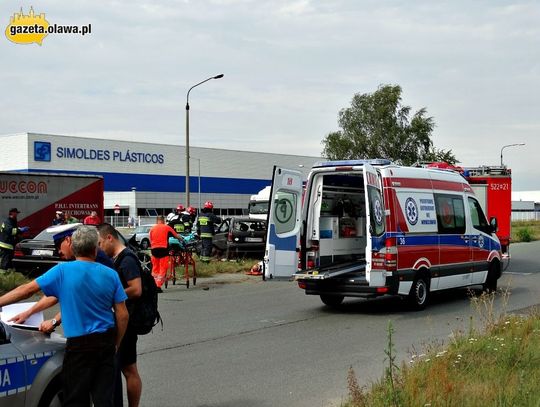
(343, 163)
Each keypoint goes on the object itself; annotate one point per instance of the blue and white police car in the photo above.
(30, 367)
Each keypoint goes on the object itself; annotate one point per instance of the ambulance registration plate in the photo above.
(254, 239)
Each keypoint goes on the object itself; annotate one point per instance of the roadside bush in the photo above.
(525, 235)
(9, 280)
(532, 227)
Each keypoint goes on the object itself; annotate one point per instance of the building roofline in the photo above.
(161, 144)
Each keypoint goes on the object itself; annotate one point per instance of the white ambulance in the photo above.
(365, 228)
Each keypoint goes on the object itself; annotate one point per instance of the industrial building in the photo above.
(146, 179)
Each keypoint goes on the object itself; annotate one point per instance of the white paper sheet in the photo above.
(9, 311)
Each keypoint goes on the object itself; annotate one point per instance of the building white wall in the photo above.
(15, 153)
(213, 162)
(231, 169)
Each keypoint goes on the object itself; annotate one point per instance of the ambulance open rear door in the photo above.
(284, 222)
(375, 274)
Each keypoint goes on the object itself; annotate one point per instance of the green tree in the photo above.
(377, 125)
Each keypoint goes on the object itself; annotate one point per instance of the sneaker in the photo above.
(159, 290)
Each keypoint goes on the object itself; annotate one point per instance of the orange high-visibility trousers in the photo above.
(159, 269)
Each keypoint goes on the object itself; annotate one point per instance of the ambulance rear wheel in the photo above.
(332, 300)
(419, 295)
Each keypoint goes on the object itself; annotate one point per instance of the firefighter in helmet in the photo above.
(205, 229)
(9, 235)
(174, 219)
(187, 217)
(192, 216)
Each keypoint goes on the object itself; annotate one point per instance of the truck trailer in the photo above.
(258, 204)
(38, 196)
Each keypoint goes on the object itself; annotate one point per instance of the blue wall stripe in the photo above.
(117, 182)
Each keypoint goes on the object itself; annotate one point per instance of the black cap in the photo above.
(14, 210)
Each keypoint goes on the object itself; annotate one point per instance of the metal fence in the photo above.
(525, 216)
(122, 221)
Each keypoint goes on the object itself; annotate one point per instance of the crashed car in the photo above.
(30, 367)
(240, 235)
(33, 257)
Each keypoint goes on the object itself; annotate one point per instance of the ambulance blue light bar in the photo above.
(352, 163)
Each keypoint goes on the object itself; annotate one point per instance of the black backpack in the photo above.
(144, 314)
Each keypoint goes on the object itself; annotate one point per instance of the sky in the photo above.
(289, 67)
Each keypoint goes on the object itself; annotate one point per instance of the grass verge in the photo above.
(9, 280)
(496, 366)
(525, 231)
(216, 266)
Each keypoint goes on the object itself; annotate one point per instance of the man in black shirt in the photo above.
(128, 268)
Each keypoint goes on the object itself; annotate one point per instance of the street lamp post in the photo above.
(199, 186)
(187, 132)
(509, 145)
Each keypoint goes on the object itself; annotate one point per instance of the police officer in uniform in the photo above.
(9, 232)
(205, 230)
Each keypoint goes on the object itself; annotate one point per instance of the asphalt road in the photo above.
(262, 344)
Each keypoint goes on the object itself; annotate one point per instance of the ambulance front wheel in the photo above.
(332, 300)
(419, 295)
(491, 280)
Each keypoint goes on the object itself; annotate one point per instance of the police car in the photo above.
(30, 367)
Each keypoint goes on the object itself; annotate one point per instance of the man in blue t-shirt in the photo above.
(62, 241)
(88, 293)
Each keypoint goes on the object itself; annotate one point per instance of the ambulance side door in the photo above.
(455, 254)
(284, 223)
(481, 240)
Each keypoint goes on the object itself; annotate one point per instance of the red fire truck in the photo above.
(492, 186)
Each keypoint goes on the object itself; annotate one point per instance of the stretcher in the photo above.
(181, 255)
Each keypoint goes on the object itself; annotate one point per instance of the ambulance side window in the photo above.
(478, 218)
(450, 214)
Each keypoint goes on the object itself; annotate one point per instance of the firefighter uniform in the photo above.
(180, 220)
(205, 230)
(159, 241)
(9, 232)
(176, 223)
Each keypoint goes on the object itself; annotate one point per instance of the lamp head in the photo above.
(218, 76)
